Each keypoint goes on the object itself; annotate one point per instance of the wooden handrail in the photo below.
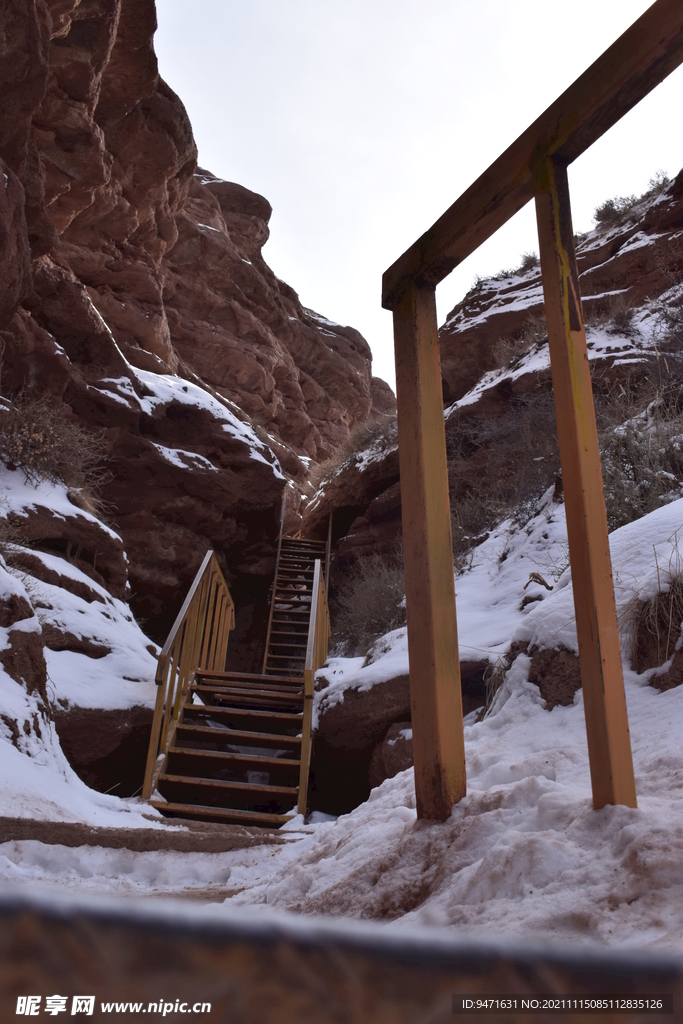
(277, 566)
(328, 554)
(198, 640)
(626, 72)
(316, 655)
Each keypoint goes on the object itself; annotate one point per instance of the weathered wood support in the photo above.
(609, 746)
(435, 696)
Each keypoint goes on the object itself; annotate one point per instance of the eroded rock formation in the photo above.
(126, 269)
(494, 351)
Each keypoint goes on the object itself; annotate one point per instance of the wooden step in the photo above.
(221, 814)
(314, 547)
(257, 693)
(236, 787)
(247, 676)
(221, 700)
(260, 762)
(276, 688)
(281, 719)
(237, 737)
(302, 542)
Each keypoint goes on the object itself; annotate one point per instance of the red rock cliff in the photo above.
(136, 294)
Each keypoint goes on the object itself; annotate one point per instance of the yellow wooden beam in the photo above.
(436, 701)
(609, 746)
(639, 60)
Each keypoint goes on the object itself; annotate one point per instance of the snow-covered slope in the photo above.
(524, 855)
(65, 642)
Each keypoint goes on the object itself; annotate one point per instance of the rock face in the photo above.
(632, 256)
(346, 739)
(393, 755)
(498, 330)
(107, 749)
(243, 331)
(136, 296)
(363, 740)
(557, 674)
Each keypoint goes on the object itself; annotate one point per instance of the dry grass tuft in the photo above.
(654, 627)
(614, 314)
(494, 677)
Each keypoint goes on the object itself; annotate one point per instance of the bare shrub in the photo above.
(642, 452)
(614, 314)
(473, 515)
(534, 332)
(37, 437)
(513, 347)
(528, 261)
(614, 212)
(369, 603)
(499, 467)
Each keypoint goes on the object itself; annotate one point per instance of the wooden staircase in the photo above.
(234, 747)
(290, 606)
(236, 752)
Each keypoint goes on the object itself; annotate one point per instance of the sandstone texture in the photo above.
(137, 303)
(125, 267)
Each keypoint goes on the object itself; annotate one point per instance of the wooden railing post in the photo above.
(435, 696)
(609, 746)
(316, 654)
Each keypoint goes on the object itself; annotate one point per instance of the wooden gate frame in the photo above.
(533, 167)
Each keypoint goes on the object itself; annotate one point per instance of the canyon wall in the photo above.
(136, 295)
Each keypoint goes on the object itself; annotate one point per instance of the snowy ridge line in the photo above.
(435, 947)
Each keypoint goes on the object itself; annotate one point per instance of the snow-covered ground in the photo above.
(524, 855)
(37, 780)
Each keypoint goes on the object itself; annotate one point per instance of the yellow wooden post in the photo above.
(609, 746)
(435, 697)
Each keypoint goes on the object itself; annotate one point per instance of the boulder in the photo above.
(393, 755)
(106, 749)
(353, 746)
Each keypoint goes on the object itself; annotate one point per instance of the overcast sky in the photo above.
(361, 121)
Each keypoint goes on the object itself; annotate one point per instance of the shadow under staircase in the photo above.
(234, 747)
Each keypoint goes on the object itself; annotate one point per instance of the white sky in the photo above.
(361, 121)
